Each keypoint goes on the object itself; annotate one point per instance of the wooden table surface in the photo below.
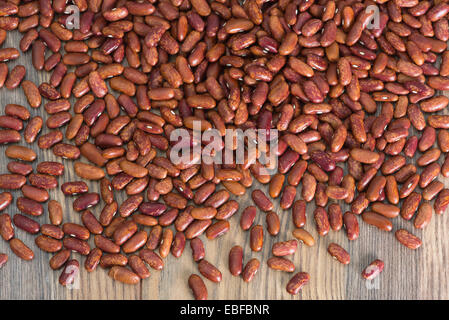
(420, 274)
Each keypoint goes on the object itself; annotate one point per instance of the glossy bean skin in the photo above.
(198, 287)
(236, 260)
(297, 282)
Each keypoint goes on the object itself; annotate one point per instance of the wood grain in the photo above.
(420, 274)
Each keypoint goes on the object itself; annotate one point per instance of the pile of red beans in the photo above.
(346, 84)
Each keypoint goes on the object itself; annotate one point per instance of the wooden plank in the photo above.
(420, 274)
